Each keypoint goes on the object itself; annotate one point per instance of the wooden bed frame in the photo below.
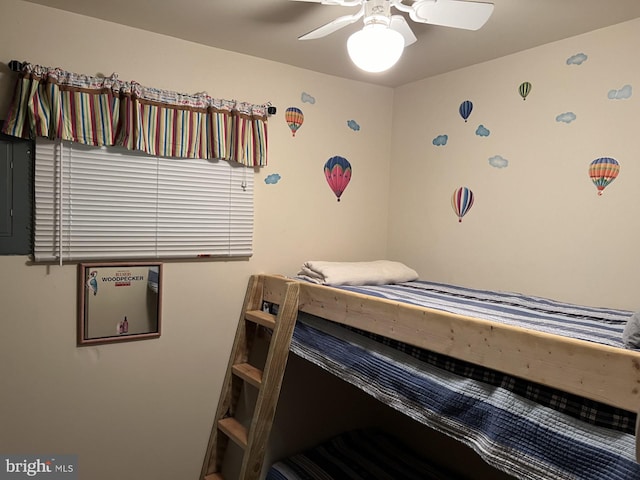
(590, 370)
(599, 372)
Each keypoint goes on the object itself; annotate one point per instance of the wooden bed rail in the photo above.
(599, 372)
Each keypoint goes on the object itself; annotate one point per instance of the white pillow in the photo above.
(378, 272)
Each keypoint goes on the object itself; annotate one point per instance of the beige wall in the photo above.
(536, 226)
(144, 410)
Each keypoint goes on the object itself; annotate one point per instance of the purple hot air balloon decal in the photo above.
(337, 171)
(465, 109)
(461, 201)
(603, 171)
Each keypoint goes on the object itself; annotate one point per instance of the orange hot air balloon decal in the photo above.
(337, 171)
(603, 171)
(294, 118)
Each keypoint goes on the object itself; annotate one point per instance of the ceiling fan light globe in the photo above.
(375, 48)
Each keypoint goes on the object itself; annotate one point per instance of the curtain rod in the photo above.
(16, 66)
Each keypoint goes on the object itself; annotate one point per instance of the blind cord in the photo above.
(60, 193)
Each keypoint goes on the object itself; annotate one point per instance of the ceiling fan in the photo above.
(469, 15)
(465, 14)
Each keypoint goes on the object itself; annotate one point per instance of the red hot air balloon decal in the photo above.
(603, 171)
(294, 118)
(461, 201)
(337, 171)
(465, 109)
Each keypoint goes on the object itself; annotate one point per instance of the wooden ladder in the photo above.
(240, 372)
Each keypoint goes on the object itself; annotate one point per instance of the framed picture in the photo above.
(119, 302)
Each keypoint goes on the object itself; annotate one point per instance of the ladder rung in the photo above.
(261, 318)
(234, 430)
(249, 373)
(214, 476)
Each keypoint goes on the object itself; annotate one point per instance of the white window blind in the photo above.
(111, 203)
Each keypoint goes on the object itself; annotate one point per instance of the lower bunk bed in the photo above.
(359, 454)
(576, 425)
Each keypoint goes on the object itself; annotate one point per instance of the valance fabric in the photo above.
(104, 111)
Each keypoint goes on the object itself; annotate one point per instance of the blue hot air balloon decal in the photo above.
(337, 171)
(461, 201)
(465, 109)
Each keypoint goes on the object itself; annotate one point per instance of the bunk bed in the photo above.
(537, 400)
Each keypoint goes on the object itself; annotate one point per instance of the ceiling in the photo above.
(269, 29)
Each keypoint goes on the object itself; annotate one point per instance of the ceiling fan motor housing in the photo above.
(377, 12)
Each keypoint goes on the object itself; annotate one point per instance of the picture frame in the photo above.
(119, 302)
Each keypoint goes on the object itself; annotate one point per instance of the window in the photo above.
(112, 203)
(16, 197)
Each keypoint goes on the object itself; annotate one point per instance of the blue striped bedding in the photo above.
(363, 454)
(513, 433)
(601, 325)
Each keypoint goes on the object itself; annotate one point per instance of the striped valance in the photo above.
(101, 111)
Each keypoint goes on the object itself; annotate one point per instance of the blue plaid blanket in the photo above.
(511, 432)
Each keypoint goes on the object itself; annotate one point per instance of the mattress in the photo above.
(594, 324)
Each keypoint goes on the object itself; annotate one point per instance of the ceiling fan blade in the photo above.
(400, 25)
(332, 26)
(452, 13)
(343, 3)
